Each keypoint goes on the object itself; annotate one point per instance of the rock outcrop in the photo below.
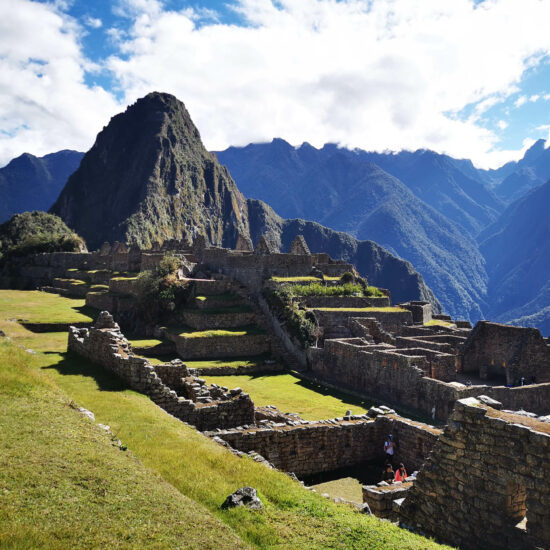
(149, 178)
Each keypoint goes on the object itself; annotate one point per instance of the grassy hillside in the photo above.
(63, 481)
(193, 465)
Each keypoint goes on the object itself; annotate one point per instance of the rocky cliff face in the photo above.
(149, 178)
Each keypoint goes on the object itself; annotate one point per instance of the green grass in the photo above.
(290, 394)
(43, 307)
(62, 481)
(146, 343)
(347, 289)
(99, 287)
(348, 488)
(219, 333)
(385, 309)
(194, 465)
(294, 279)
(439, 322)
(130, 278)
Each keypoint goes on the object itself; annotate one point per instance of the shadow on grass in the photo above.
(75, 365)
(38, 328)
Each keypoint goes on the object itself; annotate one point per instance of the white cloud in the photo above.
(502, 124)
(389, 74)
(44, 103)
(93, 22)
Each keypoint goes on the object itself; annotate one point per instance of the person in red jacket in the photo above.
(401, 473)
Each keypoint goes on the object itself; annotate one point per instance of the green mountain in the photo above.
(343, 190)
(380, 267)
(149, 178)
(454, 188)
(517, 250)
(33, 183)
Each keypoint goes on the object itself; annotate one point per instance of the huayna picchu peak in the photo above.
(148, 178)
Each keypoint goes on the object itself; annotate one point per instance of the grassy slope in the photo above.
(196, 466)
(62, 481)
(290, 394)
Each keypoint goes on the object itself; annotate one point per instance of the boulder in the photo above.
(245, 496)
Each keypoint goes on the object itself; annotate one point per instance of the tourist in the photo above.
(522, 381)
(469, 382)
(389, 448)
(401, 473)
(388, 473)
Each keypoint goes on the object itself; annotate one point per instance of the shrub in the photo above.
(299, 323)
(159, 291)
(36, 232)
(347, 277)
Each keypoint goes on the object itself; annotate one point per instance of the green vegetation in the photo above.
(249, 330)
(145, 342)
(42, 307)
(34, 232)
(439, 322)
(348, 488)
(294, 279)
(392, 309)
(298, 322)
(63, 480)
(346, 289)
(160, 292)
(290, 394)
(134, 503)
(128, 278)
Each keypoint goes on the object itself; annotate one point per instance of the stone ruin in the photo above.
(486, 483)
(507, 352)
(169, 385)
(265, 246)
(244, 244)
(299, 246)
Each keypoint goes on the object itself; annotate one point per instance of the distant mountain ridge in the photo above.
(33, 183)
(346, 191)
(517, 250)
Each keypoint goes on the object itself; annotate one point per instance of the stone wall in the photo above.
(345, 301)
(105, 345)
(390, 321)
(220, 346)
(204, 320)
(486, 474)
(508, 352)
(306, 448)
(380, 372)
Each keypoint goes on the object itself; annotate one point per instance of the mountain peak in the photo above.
(149, 178)
(534, 151)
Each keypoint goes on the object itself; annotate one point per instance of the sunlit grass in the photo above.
(290, 394)
(67, 504)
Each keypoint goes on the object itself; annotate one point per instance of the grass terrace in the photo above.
(249, 330)
(291, 394)
(439, 322)
(219, 310)
(347, 289)
(63, 485)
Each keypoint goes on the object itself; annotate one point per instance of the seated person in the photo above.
(388, 473)
(401, 473)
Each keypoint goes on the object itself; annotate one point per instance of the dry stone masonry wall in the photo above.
(104, 344)
(486, 483)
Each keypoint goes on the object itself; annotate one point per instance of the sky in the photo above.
(468, 78)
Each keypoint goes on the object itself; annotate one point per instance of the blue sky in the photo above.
(468, 78)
